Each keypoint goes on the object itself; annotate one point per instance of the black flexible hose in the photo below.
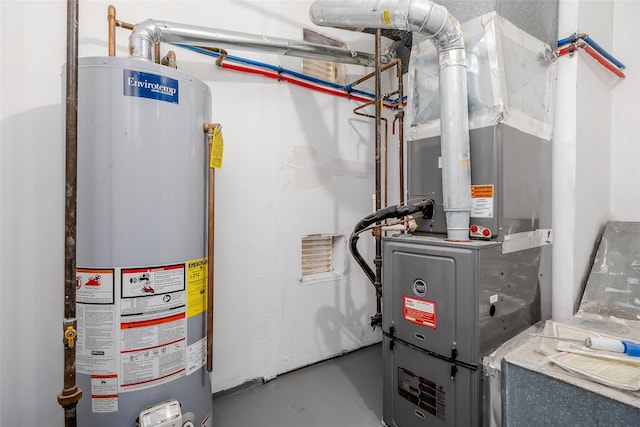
(425, 206)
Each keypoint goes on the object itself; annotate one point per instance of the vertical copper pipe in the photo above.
(156, 52)
(111, 18)
(70, 394)
(377, 320)
(209, 130)
(386, 144)
(400, 116)
(386, 163)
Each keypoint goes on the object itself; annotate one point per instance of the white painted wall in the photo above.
(625, 123)
(31, 193)
(593, 138)
(296, 163)
(593, 164)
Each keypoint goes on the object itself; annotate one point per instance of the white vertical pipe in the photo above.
(563, 171)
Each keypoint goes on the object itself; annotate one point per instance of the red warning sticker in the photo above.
(420, 311)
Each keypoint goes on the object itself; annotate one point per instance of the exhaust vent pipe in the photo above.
(433, 20)
(148, 32)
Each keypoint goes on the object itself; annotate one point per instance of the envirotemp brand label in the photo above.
(148, 85)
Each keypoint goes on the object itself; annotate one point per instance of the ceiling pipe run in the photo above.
(148, 32)
(433, 20)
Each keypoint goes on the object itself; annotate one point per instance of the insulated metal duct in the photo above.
(148, 32)
(433, 20)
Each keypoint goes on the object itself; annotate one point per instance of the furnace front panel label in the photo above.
(423, 393)
(152, 86)
(420, 311)
(482, 201)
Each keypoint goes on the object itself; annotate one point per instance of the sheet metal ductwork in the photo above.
(151, 31)
(433, 20)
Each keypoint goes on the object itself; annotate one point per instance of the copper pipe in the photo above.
(113, 23)
(209, 130)
(156, 52)
(400, 117)
(368, 76)
(386, 144)
(377, 318)
(111, 18)
(124, 25)
(223, 53)
(71, 393)
(386, 163)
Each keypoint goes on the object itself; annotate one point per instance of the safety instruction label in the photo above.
(152, 351)
(420, 311)
(95, 353)
(196, 355)
(96, 316)
(196, 286)
(104, 393)
(152, 280)
(422, 392)
(132, 327)
(482, 197)
(94, 286)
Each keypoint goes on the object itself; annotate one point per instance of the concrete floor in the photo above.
(342, 392)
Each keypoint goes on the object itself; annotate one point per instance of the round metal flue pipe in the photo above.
(148, 32)
(429, 18)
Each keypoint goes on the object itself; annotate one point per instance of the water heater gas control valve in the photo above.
(163, 414)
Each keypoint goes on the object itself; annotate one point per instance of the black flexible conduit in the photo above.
(396, 211)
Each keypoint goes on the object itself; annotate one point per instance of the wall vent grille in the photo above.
(317, 254)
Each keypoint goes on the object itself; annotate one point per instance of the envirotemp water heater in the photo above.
(141, 241)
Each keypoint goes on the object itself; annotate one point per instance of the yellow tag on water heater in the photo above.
(386, 16)
(217, 150)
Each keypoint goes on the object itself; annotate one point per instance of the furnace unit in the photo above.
(447, 304)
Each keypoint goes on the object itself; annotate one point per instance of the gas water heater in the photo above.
(141, 242)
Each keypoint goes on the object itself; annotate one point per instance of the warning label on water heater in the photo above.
(420, 311)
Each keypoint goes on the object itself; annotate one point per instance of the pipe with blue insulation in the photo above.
(603, 52)
(280, 70)
(575, 37)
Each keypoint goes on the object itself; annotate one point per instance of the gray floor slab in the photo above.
(342, 392)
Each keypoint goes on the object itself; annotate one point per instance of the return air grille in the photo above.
(317, 255)
(324, 70)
